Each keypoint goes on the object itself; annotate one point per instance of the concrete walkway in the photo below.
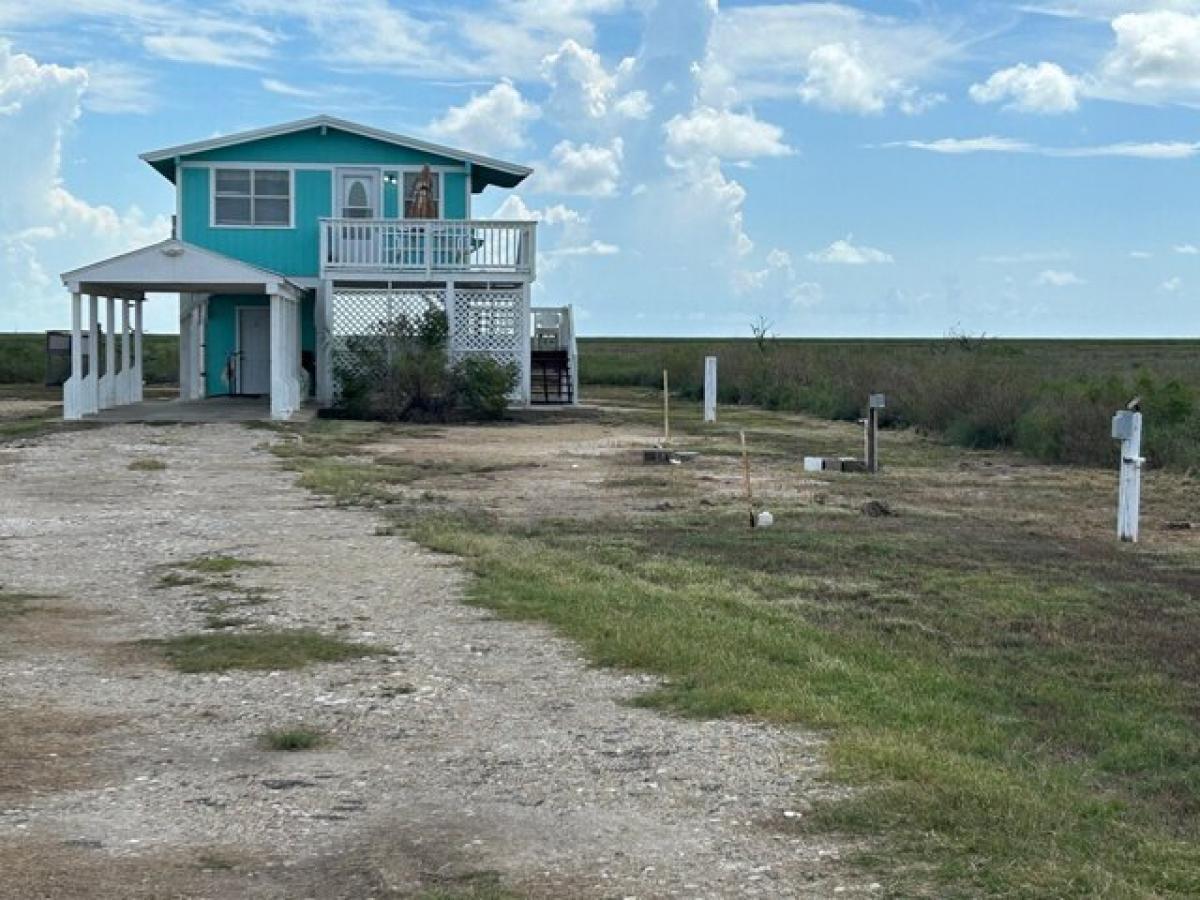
(213, 410)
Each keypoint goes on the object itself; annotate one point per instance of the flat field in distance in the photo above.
(1051, 399)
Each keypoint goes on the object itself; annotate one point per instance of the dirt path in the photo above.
(480, 747)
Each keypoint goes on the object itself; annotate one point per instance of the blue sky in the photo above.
(899, 168)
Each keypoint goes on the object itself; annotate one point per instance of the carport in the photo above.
(172, 267)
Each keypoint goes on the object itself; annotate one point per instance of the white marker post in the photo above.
(1127, 428)
(710, 389)
(875, 403)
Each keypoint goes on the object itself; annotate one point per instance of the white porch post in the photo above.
(135, 381)
(185, 346)
(323, 315)
(525, 343)
(91, 390)
(452, 337)
(108, 378)
(282, 366)
(123, 389)
(195, 358)
(71, 389)
(299, 376)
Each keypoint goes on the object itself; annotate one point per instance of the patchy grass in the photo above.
(219, 564)
(292, 740)
(215, 861)
(37, 425)
(266, 650)
(147, 464)
(473, 886)
(16, 603)
(1013, 697)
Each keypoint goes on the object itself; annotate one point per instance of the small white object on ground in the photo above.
(764, 520)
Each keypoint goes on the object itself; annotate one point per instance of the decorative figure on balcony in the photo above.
(422, 203)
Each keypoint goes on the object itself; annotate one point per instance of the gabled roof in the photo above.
(495, 171)
(173, 265)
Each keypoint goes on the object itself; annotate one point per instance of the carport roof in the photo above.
(174, 266)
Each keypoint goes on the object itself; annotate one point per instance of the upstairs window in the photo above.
(252, 197)
(422, 200)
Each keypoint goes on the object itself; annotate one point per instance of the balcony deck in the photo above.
(428, 249)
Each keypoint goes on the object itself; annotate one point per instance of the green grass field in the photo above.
(23, 358)
(1051, 399)
(1010, 692)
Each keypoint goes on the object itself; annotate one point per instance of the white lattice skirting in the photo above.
(488, 321)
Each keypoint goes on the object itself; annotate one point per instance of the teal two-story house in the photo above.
(293, 241)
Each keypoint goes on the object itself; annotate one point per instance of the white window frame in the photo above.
(265, 167)
(337, 173)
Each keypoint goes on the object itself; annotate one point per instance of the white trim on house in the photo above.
(173, 265)
(325, 121)
(317, 167)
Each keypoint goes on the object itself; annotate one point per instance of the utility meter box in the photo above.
(876, 401)
(1122, 425)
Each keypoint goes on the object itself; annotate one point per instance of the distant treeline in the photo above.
(1051, 399)
(23, 358)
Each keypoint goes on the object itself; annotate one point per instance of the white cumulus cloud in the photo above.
(44, 228)
(1045, 88)
(1057, 278)
(723, 133)
(582, 86)
(491, 122)
(1156, 57)
(831, 55)
(845, 252)
(592, 170)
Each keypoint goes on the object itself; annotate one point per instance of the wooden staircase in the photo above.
(550, 377)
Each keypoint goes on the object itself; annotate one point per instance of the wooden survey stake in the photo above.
(746, 477)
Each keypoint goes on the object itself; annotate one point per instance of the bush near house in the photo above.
(399, 372)
(1053, 400)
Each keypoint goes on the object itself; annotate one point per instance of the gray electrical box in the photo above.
(876, 401)
(1122, 425)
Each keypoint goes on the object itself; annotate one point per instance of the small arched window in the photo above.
(358, 202)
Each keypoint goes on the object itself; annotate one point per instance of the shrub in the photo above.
(479, 387)
(400, 372)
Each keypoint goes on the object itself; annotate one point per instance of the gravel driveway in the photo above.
(480, 749)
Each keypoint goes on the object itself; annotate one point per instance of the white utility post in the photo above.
(710, 389)
(875, 403)
(1127, 428)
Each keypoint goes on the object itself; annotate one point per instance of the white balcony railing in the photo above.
(428, 247)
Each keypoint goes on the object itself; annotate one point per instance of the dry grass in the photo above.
(1010, 688)
(49, 750)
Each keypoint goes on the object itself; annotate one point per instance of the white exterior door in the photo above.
(358, 198)
(358, 194)
(254, 350)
